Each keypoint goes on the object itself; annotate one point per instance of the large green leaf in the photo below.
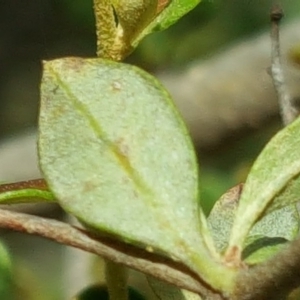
(261, 248)
(117, 155)
(272, 183)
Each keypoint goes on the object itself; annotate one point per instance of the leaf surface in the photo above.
(31, 191)
(122, 24)
(282, 224)
(168, 12)
(272, 183)
(117, 155)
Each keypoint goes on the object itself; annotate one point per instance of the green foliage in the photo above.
(6, 276)
(279, 226)
(272, 183)
(171, 11)
(260, 248)
(132, 163)
(80, 12)
(116, 154)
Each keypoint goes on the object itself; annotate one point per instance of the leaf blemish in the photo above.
(116, 86)
(122, 146)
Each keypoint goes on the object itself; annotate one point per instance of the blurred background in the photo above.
(209, 48)
(31, 31)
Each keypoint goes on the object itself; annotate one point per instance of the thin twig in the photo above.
(118, 252)
(30, 191)
(287, 109)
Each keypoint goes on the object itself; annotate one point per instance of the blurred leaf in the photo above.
(168, 13)
(272, 183)
(213, 184)
(283, 223)
(28, 284)
(294, 54)
(98, 292)
(30, 191)
(80, 11)
(6, 276)
(117, 155)
(166, 291)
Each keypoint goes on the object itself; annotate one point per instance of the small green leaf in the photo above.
(165, 291)
(282, 223)
(168, 12)
(272, 183)
(117, 155)
(31, 191)
(260, 248)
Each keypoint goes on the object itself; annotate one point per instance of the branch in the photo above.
(273, 279)
(118, 252)
(287, 110)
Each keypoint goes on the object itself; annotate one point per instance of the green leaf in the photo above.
(117, 155)
(168, 13)
(282, 223)
(165, 291)
(260, 248)
(6, 276)
(272, 183)
(31, 191)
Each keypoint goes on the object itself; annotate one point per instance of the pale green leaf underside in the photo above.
(172, 12)
(272, 182)
(165, 291)
(116, 154)
(282, 223)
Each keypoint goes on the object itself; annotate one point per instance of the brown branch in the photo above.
(118, 252)
(39, 184)
(273, 279)
(287, 110)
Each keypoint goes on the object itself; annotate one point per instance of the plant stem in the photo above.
(116, 279)
(105, 27)
(287, 110)
(118, 252)
(31, 191)
(273, 279)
